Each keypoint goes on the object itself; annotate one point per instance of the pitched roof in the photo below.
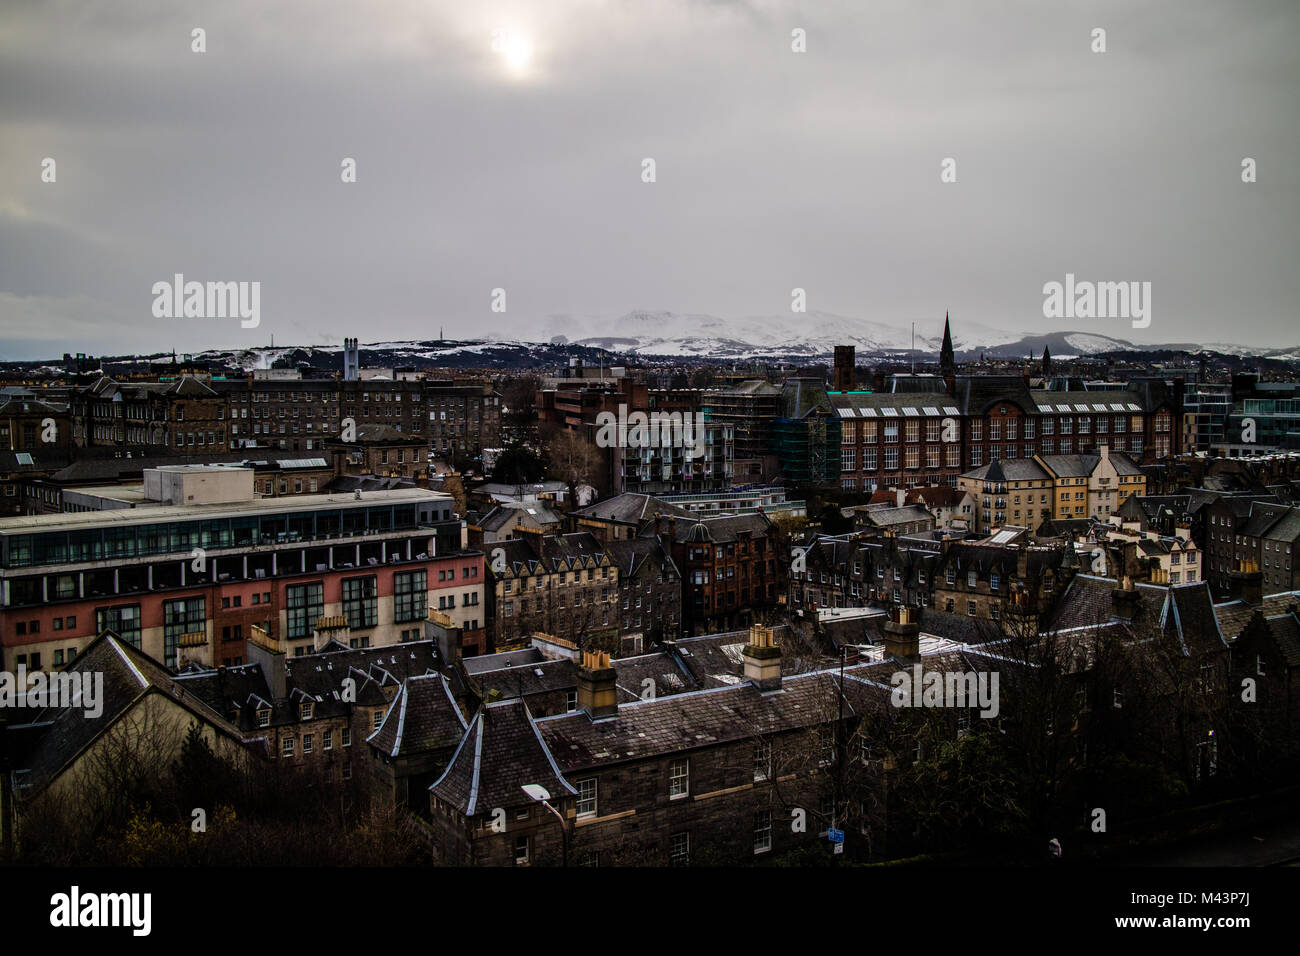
(630, 508)
(128, 675)
(500, 752)
(422, 717)
(630, 556)
(1008, 469)
(719, 529)
(687, 721)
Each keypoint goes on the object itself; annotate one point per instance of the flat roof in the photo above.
(37, 524)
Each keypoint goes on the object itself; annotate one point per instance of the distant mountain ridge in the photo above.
(664, 337)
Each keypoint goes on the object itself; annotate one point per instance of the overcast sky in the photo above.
(522, 168)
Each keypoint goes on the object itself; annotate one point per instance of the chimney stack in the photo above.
(900, 496)
(903, 634)
(762, 659)
(265, 650)
(1246, 582)
(1124, 599)
(597, 693)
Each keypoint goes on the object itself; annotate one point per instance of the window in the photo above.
(762, 760)
(360, 599)
(571, 701)
(123, 620)
(327, 740)
(182, 616)
(376, 719)
(287, 747)
(763, 831)
(587, 797)
(679, 778)
(347, 736)
(306, 604)
(521, 850)
(307, 743)
(264, 717)
(410, 595)
(679, 849)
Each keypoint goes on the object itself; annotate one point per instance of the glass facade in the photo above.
(173, 537)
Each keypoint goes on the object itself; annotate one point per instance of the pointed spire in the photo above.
(947, 362)
(1047, 361)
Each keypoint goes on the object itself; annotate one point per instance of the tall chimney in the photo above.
(902, 633)
(597, 693)
(844, 361)
(762, 659)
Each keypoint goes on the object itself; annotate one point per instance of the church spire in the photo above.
(1047, 361)
(947, 363)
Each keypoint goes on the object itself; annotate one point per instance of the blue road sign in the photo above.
(835, 836)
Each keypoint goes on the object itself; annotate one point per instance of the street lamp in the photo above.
(540, 794)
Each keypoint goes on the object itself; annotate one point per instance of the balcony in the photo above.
(192, 639)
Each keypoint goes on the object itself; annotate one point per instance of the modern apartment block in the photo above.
(186, 572)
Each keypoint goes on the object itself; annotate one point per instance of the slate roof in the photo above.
(714, 660)
(1233, 616)
(506, 513)
(1261, 517)
(1184, 611)
(889, 516)
(976, 394)
(500, 752)
(187, 386)
(630, 556)
(1287, 527)
(630, 508)
(554, 553)
(801, 397)
(317, 678)
(941, 496)
(526, 673)
(422, 717)
(128, 675)
(719, 529)
(1082, 466)
(688, 721)
(1286, 632)
(986, 558)
(1009, 469)
(30, 406)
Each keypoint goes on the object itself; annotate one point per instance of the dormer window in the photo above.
(307, 710)
(264, 717)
